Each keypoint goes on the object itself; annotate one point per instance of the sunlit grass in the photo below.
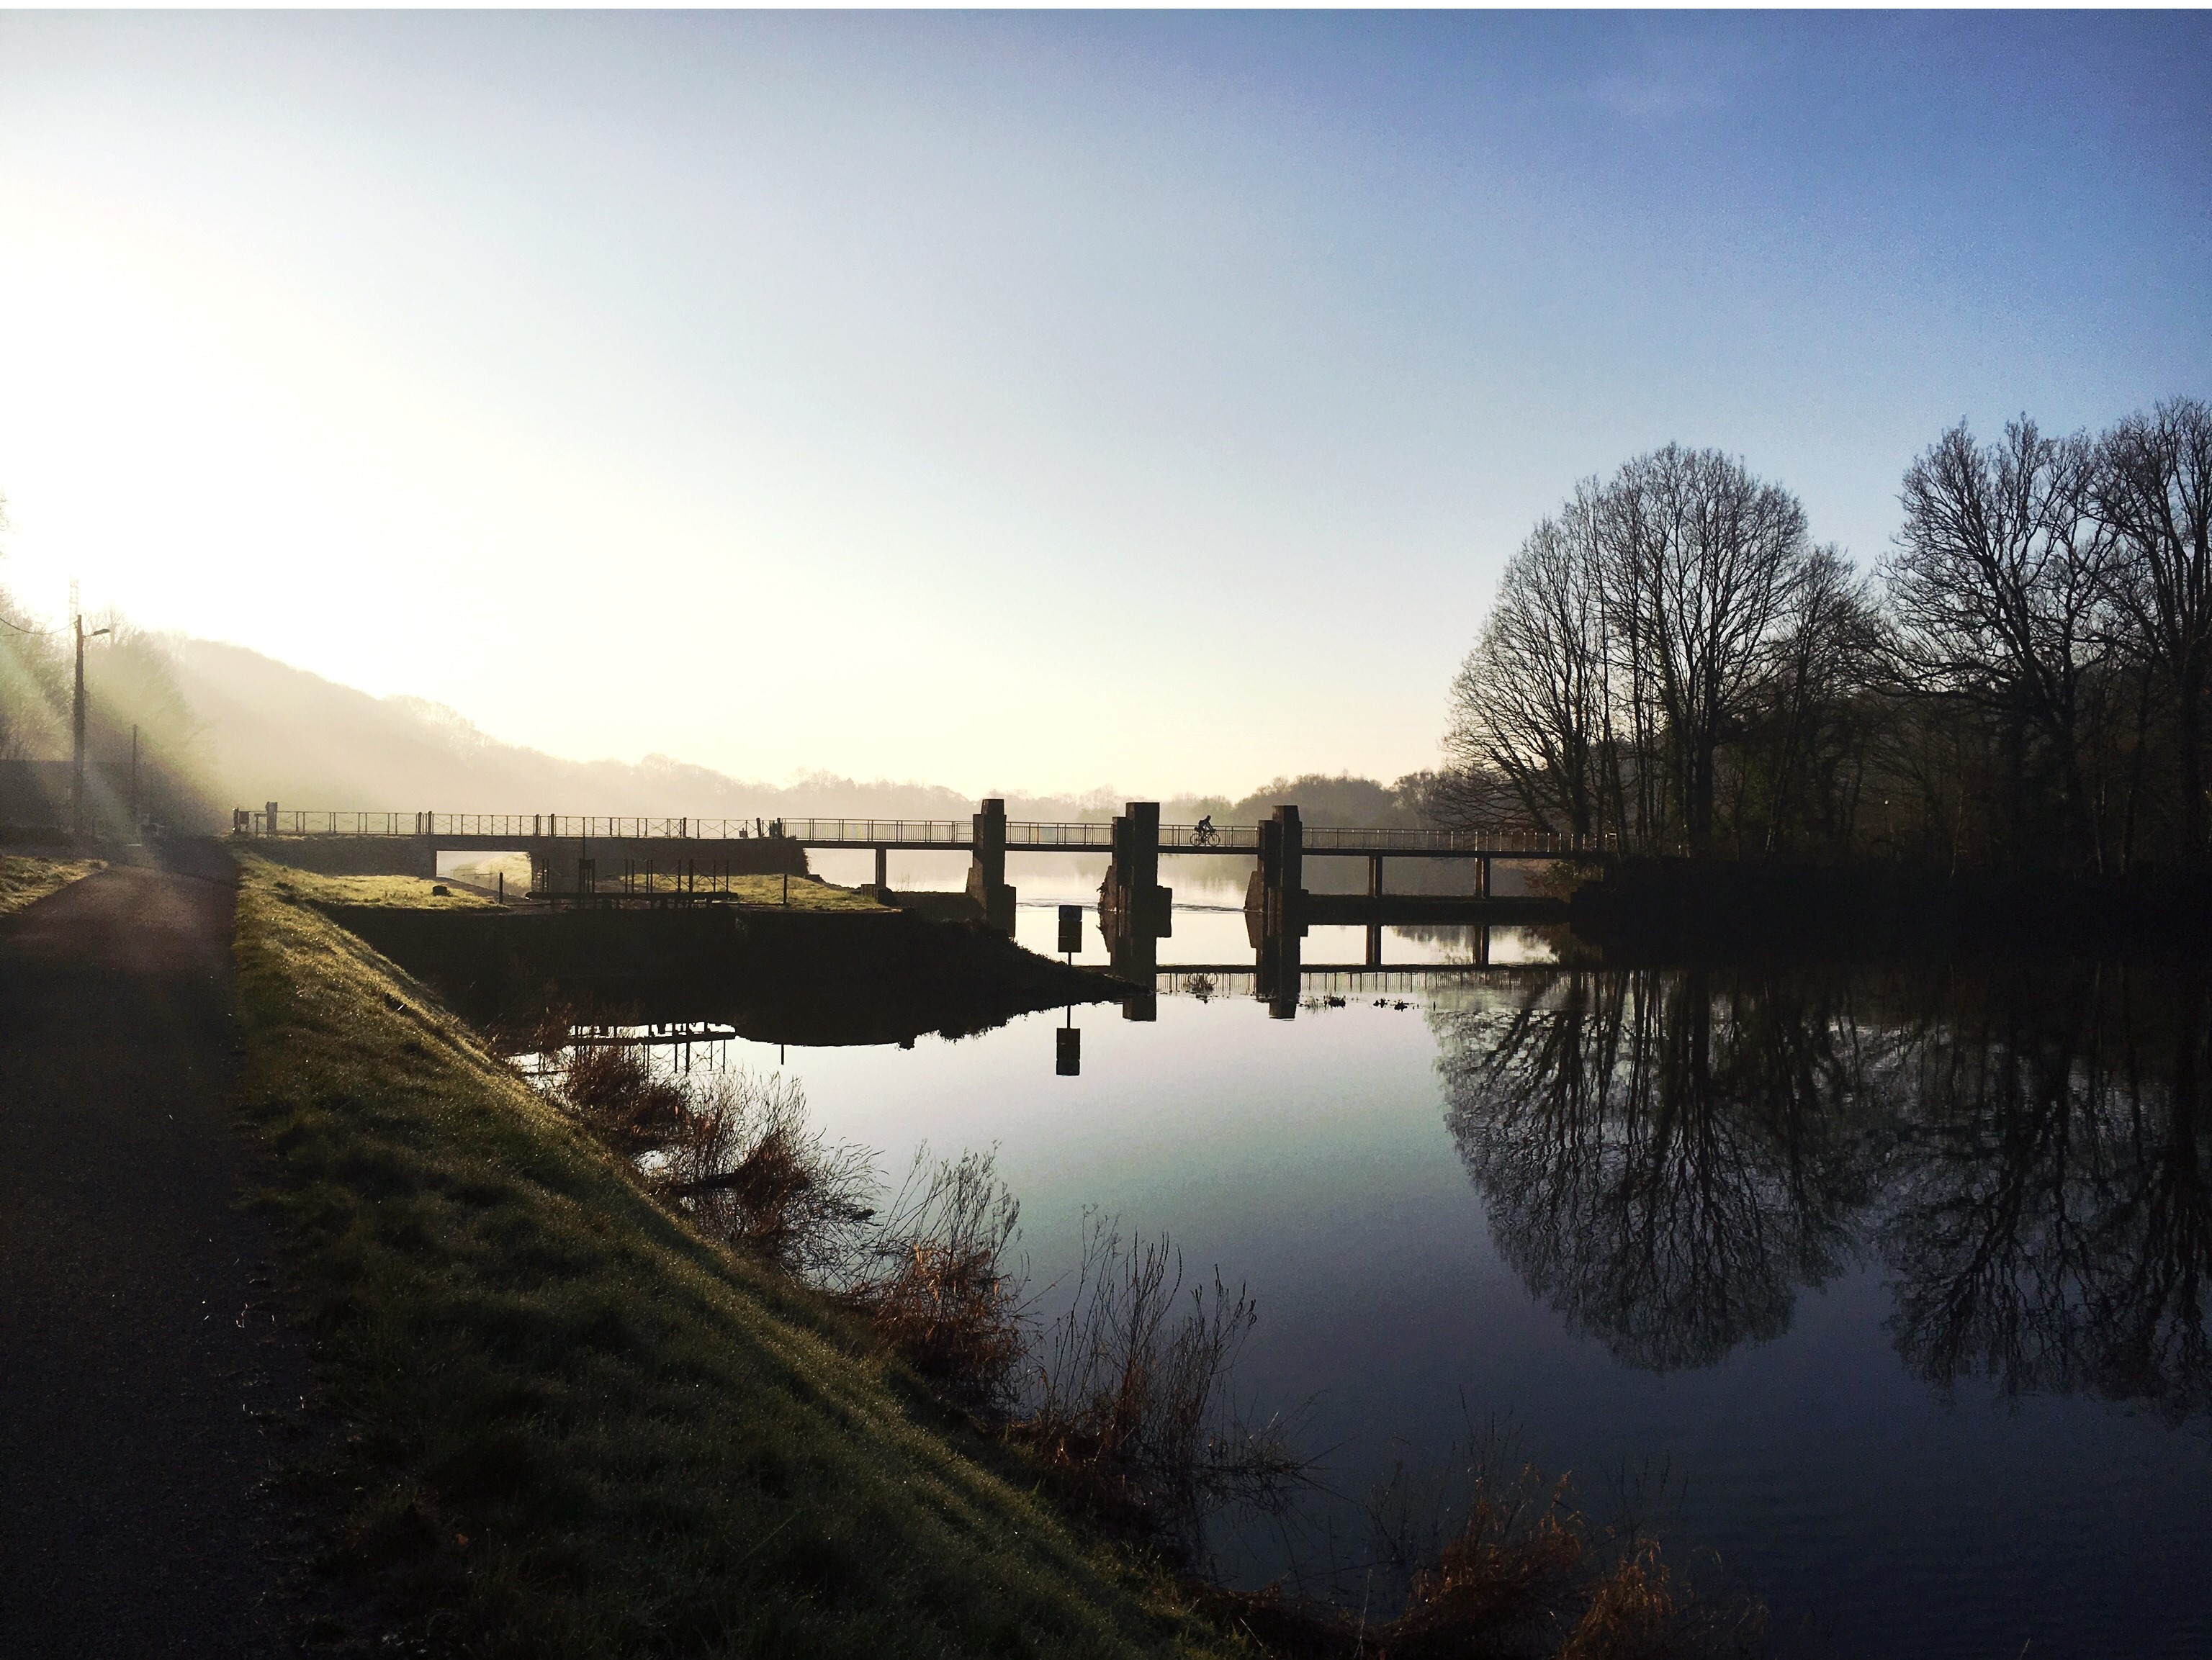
(25, 880)
(806, 892)
(412, 893)
(575, 1426)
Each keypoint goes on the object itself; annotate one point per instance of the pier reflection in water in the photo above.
(1900, 1273)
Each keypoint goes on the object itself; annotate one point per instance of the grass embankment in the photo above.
(418, 893)
(25, 880)
(576, 1428)
(397, 893)
(806, 892)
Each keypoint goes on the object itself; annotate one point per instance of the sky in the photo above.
(1021, 402)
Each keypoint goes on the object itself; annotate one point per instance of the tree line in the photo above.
(1674, 665)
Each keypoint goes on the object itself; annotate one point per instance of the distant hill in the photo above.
(265, 730)
(270, 731)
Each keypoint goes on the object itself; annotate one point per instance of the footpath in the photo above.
(140, 1347)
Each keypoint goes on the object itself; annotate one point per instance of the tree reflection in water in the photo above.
(1668, 1155)
(2051, 1229)
(1663, 1159)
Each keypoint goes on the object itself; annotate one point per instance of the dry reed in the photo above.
(621, 1100)
(745, 1165)
(1131, 1392)
(933, 1278)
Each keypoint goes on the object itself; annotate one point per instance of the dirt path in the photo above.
(138, 1337)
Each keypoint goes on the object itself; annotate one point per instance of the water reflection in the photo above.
(2050, 1227)
(1664, 1161)
(1669, 1156)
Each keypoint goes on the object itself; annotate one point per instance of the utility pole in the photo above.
(77, 719)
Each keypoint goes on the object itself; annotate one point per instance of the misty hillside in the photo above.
(267, 730)
(270, 731)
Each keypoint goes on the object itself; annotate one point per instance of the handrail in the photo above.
(1074, 836)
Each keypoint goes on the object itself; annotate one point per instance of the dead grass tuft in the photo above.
(1501, 1583)
(934, 1281)
(1132, 1395)
(744, 1164)
(613, 1089)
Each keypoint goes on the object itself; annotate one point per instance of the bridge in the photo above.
(517, 832)
(1135, 910)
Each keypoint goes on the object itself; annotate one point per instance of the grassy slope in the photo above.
(407, 892)
(25, 880)
(577, 1427)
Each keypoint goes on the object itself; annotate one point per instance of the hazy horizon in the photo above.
(1008, 399)
(263, 727)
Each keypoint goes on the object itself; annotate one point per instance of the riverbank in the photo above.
(575, 1427)
(1661, 909)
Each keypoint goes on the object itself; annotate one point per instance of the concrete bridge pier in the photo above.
(1135, 912)
(1374, 892)
(884, 869)
(1274, 913)
(987, 870)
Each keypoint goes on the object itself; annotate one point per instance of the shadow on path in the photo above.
(138, 1330)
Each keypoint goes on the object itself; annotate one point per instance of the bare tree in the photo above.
(1998, 588)
(1634, 634)
(1527, 705)
(1704, 561)
(1671, 661)
(2153, 493)
(1826, 660)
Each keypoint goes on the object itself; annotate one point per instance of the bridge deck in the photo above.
(485, 830)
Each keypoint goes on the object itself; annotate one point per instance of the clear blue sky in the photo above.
(1021, 401)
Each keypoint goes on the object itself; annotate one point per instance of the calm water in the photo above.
(1900, 1276)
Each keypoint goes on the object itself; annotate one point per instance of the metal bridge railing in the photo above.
(295, 821)
(1216, 981)
(868, 832)
(1216, 839)
(950, 833)
(1321, 838)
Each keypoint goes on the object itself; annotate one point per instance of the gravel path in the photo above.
(138, 1335)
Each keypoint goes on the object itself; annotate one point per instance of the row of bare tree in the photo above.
(1674, 664)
